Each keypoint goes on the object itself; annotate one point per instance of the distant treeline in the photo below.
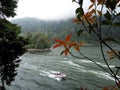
(60, 29)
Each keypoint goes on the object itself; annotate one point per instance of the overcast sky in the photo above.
(47, 9)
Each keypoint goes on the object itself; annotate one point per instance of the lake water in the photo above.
(34, 67)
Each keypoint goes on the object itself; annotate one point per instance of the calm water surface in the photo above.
(34, 67)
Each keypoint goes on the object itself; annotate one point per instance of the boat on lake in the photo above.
(57, 75)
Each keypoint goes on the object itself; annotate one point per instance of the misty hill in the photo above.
(37, 25)
(60, 29)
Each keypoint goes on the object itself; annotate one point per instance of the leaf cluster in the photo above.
(11, 43)
(38, 40)
(11, 47)
(7, 8)
(67, 44)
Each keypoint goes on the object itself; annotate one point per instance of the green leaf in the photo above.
(90, 30)
(106, 22)
(80, 32)
(79, 11)
(78, 17)
(73, 0)
(107, 15)
(110, 39)
(118, 14)
(18, 61)
(117, 24)
(111, 4)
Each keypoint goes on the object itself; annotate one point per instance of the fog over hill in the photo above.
(36, 25)
(60, 28)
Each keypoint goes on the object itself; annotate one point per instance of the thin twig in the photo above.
(91, 61)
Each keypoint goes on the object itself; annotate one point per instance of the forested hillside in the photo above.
(60, 29)
(53, 29)
(37, 25)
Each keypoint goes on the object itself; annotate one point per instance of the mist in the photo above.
(47, 9)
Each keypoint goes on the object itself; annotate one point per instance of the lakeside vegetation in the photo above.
(38, 40)
(41, 33)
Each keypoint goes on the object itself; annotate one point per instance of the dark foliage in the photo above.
(11, 47)
(7, 8)
(11, 43)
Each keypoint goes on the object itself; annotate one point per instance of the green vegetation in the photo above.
(38, 40)
(60, 29)
(11, 44)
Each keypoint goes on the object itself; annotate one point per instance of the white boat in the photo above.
(57, 75)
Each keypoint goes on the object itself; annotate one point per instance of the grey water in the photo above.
(33, 69)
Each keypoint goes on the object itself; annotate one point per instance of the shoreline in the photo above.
(99, 44)
(38, 50)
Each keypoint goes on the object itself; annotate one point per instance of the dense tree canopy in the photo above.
(11, 43)
(7, 8)
(38, 41)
